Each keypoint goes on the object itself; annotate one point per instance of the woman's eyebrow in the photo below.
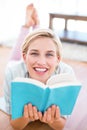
(34, 50)
(51, 51)
(48, 51)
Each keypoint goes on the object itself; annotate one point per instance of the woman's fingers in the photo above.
(26, 111)
(35, 113)
(31, 112)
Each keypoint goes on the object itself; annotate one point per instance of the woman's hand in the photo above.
(31, 113)
(53, 118)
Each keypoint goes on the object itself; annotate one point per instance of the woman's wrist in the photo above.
(58, 124)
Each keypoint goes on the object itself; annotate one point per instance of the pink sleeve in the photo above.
(16, 51)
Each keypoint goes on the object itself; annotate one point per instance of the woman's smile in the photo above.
(37, 69)
(40, 71)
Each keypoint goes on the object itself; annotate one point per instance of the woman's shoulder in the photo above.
(64, 65)
(14, 64)
(16, 67)
(64, 68)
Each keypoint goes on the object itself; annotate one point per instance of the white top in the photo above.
(18, 69)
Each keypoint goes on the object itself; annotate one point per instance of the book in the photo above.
(61, 90)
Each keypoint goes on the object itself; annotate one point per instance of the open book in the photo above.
(61, 90)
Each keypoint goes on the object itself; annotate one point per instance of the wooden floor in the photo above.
(80, 68)
(4, 57)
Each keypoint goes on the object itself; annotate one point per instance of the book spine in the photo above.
(45, 99)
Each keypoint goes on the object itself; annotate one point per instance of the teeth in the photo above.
(40, 69)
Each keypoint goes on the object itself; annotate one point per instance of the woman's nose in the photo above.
(41, 60)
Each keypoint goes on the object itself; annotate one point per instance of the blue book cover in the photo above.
(61, 90)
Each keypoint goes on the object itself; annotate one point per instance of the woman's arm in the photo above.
(19, 123)
(30, 114)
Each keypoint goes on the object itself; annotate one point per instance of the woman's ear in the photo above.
(58, 59)
(24, 57)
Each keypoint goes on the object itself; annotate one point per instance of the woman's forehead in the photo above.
(43, 44)
(42, 41)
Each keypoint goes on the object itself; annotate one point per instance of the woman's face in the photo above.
(41, 58)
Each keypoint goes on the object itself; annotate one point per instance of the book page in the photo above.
(30, 80)
(62, 79)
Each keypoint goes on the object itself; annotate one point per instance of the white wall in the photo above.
(12, 16)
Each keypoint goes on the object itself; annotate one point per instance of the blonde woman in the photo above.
(42, 58)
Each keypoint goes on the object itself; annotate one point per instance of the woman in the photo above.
(42, 55)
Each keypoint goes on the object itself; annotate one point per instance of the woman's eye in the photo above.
(49, 54)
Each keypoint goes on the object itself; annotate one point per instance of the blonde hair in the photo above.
(42, 33)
